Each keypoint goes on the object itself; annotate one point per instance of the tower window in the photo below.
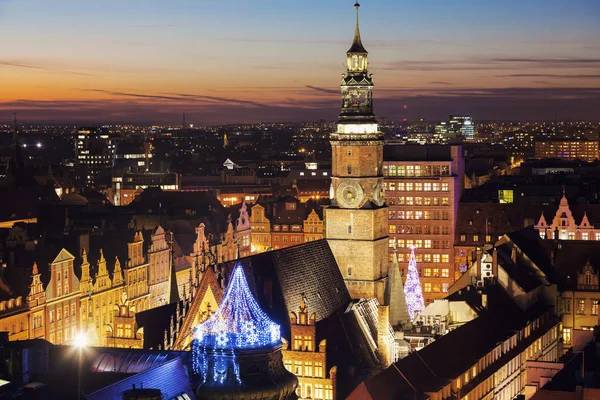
(349, 229)
(349, 152)
(349, 270)
(349, 169)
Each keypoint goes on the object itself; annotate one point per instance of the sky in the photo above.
(234, 61)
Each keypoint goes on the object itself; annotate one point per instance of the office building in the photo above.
(584, 150)
(461, 127)
(94, 150)
(423, 188)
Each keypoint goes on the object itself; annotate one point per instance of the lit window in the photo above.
(567, 335)
(427, 272)
(427, 287)
(581, 306)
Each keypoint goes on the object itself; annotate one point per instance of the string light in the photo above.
(239, 323)
(412, 288)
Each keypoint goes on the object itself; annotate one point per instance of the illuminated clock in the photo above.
(379, 193)
(350, 194)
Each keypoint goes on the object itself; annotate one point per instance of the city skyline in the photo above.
(239, 61)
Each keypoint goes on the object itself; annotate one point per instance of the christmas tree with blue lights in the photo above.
(412, 288)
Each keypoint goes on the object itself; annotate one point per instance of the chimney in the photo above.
(513, 255)
(484, 300)
(383, 323)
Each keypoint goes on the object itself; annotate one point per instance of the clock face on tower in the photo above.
(379, 193)
(350, 194)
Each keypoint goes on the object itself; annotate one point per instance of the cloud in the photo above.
(39, 67)
(323, 90)
(494, 63)
(574, 76)
(440, 83)
(517, 103)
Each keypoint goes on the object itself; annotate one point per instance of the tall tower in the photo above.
(356, 223)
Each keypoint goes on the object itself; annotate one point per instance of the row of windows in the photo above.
(429, 287)
(436, 272)
(416, 201)
(286, 228)
(419, 229)
(488, 238)
(571, 235)
(581, 306)
(433, 215)
(419, 244)
(293, 239)
(416, 170)
(320, 392)
(416, 186)
(305, 368)
(59, 313)
(422, 229)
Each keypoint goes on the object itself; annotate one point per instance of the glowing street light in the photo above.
(80, 341)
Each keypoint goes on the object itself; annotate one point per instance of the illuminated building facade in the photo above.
(307, 359)
(94, 150)
(461, 126)
(67, 305)
(284, 222)
(584, 150)
(356, 221)
(261, 229)
(62, 300)
(423, 188)
(159, 264)
(564, 227)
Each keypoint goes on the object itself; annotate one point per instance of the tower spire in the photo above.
(357, 46)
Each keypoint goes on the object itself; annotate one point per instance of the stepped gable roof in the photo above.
(18, 275)
(433, 367)
(171, 378)
(577, 209)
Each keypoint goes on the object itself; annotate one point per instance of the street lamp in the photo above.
(80, 342)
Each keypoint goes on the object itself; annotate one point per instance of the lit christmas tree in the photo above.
(412, 288)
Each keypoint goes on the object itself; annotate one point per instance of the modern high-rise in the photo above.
(461, 126)
(356, 221)
(94, 150)
(423, 188)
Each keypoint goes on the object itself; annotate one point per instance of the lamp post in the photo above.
(80, 342)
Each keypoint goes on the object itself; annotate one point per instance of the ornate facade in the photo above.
(101, 303)
(356, 223)
(564, 226)
(306, 358)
